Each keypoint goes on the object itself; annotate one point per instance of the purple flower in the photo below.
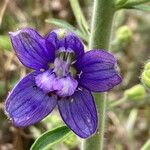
(64, 75)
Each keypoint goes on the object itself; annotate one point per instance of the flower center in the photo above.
(63, 64)
(59, 79)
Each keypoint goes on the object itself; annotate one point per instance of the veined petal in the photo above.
(98, 71)
(79, 113)
(27, 104)
(65, 40)
(93, 57)
(31, 49)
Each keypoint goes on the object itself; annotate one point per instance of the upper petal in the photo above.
(66, 41)
(31, 49)
(98, 71)
(27, 104)
(79, 113)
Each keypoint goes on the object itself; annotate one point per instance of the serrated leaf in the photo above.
(49, 138)
(66, 25)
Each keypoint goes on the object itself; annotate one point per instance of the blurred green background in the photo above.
(128, 114)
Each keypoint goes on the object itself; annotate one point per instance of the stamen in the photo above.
(63, 64)
(68, 58)
(62, 55)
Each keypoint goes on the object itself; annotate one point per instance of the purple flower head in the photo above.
(64, 75)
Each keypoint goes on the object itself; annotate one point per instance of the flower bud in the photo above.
(145, 77)
(136, 92)
(122, 39)
(4, 43)
(124, 34)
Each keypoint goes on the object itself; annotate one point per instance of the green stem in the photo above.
(102, 20)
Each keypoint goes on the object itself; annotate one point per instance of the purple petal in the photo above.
(31, 49)
(48, 82)
(27, 104)
(61, 67)
(98, 71)
(66, 86)
(66, 41)
(79, 113)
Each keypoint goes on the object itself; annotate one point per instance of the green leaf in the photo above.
(60, 23)
(141, 7)
(132, 4)
(120, 3)
(80, 18)
(146, 146)
(64, 24)
(49, 138)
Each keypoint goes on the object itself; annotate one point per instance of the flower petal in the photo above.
(65, 86)
(66, 41)
(45, 81)
(79, 113)
(98, 71)
(48, 82)
(31, 49)
(27, 104)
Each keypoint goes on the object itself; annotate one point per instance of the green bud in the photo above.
(4, 42)
(136, 92)
(145, 77)
(147, 66)
(124, 34)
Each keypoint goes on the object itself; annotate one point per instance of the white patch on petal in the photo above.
(69, 86)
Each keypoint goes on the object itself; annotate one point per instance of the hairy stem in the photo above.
(102, 20)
